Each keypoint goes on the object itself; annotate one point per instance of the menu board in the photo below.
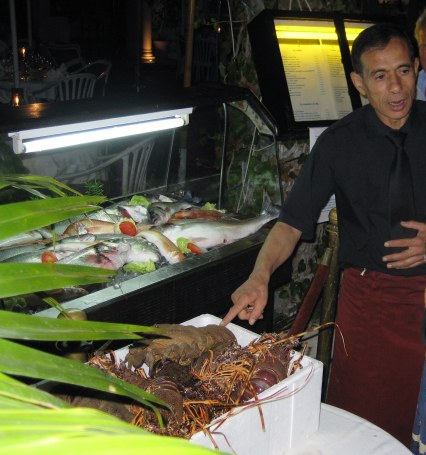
(303, 66)
(316, 81)
(315, 76)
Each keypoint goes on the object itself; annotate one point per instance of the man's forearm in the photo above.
(277, 248)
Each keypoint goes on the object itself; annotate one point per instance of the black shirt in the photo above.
(352, 159)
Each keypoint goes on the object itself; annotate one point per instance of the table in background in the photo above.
(28, 86)
(341, 432)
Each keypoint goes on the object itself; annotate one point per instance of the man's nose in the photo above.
(395, 82)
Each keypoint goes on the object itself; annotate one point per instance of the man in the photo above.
(378, 359)
(420, 35)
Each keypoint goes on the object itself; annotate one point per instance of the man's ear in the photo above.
(416, 66)
(358, 83)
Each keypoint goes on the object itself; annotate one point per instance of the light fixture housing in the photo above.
(60, 136)
(314, 32)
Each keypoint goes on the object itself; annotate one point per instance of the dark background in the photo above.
(111, 29)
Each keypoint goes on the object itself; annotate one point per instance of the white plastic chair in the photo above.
(134, 164)
(75, 86)
(101, 69)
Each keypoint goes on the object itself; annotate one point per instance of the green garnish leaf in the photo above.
(140, 267)
(182, 244)
(138, 199)
(208, 206)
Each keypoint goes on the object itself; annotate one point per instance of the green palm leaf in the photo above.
(83, 431)
(25, 216)
(18, 278)
(32, 363)
(14, 394)
(32, 182)
(27, 327)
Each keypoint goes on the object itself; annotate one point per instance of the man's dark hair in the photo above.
(377, 37)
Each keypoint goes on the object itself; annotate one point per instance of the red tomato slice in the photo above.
(194, 248)
(47, 256)
(128, 228)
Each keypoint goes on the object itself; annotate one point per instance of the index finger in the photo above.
(230, 315)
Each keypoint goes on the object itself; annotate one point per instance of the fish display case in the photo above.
(217, 155)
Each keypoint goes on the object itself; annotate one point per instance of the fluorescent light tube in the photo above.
(60, 136)
(84, 137)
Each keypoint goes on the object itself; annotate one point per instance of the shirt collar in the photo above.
(375, 127)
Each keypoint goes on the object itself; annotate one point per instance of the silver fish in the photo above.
(99, 255)
(34, 256)
(113, 254)
(109, 254)
(208, 234)
(110, 215)
(12, 251)
(141, 250)
(161, 212)
(25, 237)
(167, 248)
(138, 213)
(31, 252)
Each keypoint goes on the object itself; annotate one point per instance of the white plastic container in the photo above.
(288, 420)
(289, 417)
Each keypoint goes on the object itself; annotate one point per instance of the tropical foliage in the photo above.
(32, 420)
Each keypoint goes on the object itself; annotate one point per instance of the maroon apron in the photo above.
(378, 376)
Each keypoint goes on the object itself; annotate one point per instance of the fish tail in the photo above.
(268, 207)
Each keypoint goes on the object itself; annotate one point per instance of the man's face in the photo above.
(388, 80)
(422, 47)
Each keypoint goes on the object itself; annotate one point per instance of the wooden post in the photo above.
(328, 307)
(187, 76)
(187, 72)
(14, 40)
(29, 25)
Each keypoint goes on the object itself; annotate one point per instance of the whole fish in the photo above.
(208, 234)
(113, 254)
(6, 254)
(167, 248)
(31, 252)
(23, 238)
(100, 255)
(110, 253)
(203, 214)
(107, 215)
(141, 250)
(138, 213)
(91, 226)
(34, 256)
(161, 212)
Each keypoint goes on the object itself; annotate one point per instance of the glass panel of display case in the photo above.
(224, 156)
